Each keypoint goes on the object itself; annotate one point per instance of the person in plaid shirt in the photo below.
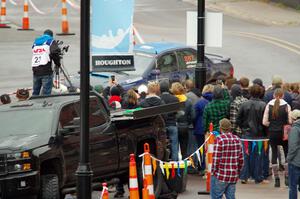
(217, 109)
(238, 99)
(227, 163)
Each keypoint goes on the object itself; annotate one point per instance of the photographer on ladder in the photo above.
(44, 50)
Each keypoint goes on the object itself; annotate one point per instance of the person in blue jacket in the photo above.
(199, 130)
(44, 50)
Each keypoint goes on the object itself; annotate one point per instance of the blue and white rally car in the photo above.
(160, 60)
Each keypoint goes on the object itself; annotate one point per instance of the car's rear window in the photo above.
(18, 122)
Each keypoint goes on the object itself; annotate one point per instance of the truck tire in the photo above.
(49, 187)
(157, 180)
(178, 184)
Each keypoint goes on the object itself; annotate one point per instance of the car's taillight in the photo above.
(231, 72)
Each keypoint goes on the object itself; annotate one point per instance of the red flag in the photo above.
(173, 171)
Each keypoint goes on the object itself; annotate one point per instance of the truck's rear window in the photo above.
(19, 122)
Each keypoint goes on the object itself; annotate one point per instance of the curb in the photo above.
(225, 7)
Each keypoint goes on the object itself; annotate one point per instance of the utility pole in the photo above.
(200, 70)
(84, 173)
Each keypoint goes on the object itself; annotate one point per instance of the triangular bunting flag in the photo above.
(266, 146)
(253, 146)
(173, 171)
(192, 162)
(154, 166)
(246, 147)
(167, 171)
(161, 165)
(259, 146)
(178, 169)
(201, 151)
(198, 156)
(185, 167)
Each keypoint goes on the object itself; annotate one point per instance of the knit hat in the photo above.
(115, 91)
(295, 114)
(276, 80)
(258, 82)
(164, 86)
(225, 125)
(99, 88)
(235, 90)
(143, 89)
(218, 93)
(48, 32)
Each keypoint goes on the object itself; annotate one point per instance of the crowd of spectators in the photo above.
(254, 112)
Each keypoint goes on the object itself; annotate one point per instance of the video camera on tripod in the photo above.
(57, 70)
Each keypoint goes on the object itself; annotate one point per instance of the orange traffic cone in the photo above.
(104, 194)
(145, 190)
(64, 22)
(133, 182)
(3, 23)
(25, 20)
(209, 157)
(148, 170)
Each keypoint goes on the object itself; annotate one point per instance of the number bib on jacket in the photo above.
(40, 55)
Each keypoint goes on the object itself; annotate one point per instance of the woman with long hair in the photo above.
(276, 115)
(184, 117)
(130, 101)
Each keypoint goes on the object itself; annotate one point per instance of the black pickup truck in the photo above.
(39, 144)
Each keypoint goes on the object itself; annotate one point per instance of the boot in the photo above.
(286, 181)
(277, 182)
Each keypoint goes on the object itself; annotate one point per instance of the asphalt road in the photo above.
(156, 20)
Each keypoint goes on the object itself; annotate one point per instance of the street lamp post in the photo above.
(84, 173)
(200, 70)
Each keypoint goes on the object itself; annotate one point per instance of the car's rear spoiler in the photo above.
(141, 113)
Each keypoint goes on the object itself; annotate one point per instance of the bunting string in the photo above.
(169, 169)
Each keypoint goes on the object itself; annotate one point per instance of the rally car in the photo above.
(161, 60)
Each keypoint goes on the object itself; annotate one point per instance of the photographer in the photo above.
(44, 50)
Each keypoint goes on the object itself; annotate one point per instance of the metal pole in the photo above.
(84, 173)
(200, 70)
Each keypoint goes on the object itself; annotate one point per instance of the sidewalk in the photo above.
(258, 11)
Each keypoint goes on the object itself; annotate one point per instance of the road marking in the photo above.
(12, 2)
(36, 9)
(268, 39)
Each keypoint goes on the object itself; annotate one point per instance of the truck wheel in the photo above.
(157, 180)
(178, 184)
(49, 187)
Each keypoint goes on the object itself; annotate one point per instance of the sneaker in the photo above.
(263, 182)
(244, 181)
(277, 182)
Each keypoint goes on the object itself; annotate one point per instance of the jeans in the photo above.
(172, 132)
(45, 81)
(294, 175)
(217, 189)
(253, 164)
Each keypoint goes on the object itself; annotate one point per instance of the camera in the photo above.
(63, 48)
